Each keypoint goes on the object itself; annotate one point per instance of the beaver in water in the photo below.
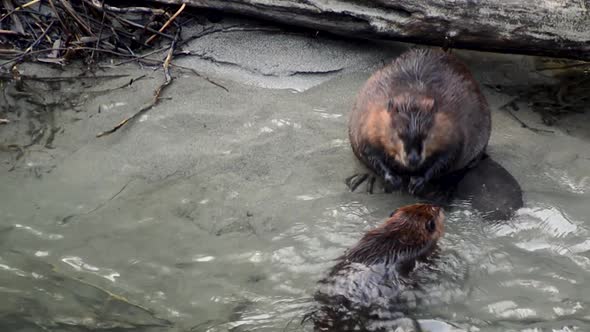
(419, 118)
(371, 286)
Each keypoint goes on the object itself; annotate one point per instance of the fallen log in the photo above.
(554, 28)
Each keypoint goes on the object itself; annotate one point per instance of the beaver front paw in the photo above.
(354, 181)
(416, 185)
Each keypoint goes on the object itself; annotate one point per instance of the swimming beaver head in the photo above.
(409, 234)
(368, 289)
(412, 117)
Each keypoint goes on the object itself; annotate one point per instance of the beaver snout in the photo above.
(413, 159)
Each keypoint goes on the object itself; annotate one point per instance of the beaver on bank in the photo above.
(417, 119)
(370, 287)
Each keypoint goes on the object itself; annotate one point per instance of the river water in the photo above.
(219, 210)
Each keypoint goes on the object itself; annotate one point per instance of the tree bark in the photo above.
(556, 28)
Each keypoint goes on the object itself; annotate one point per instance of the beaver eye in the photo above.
(430, 226)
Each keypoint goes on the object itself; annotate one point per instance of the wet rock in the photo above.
(488, 188)
(491, 189)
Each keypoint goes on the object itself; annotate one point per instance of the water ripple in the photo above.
(39, 233)
(79, 265)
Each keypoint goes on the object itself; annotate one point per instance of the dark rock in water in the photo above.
(488, 187)
(491, 190)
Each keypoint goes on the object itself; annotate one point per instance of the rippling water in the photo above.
(219, 211)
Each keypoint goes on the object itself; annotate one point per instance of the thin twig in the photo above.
(145, 108)
(167, 80)
(169, 58)
(100, 31)
(67, 49)
(110, 199)
(45, 32)
(72, 12)
(9, 51)
(63, 78)
(100, 205)
(139, 57)
(133, 58)
(63, 25)
(11, 32)
(36, 42)
(524, 125)
(192, 70)
(18, 25)
(86, 40)
(512, 105)
(167, 23)
(30, 3)
(122, 86)
(139, 26)
(31, 29)
(98, 5)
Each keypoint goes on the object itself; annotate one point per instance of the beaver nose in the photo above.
(413, 158)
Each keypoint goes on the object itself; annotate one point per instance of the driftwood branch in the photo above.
(558, 28)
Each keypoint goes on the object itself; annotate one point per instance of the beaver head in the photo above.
(412, 117)
(409, 234)
(367, 290)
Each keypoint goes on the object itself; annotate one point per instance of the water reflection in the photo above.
(38, 233)
(78, 264)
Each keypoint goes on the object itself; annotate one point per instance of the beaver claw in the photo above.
(416, 185)
(355, 180)
(391, 183)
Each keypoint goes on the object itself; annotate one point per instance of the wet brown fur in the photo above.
(404, 232)
(407, 225)
(377, 132)
(440, 87)
(441, 135)
(367, 290)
